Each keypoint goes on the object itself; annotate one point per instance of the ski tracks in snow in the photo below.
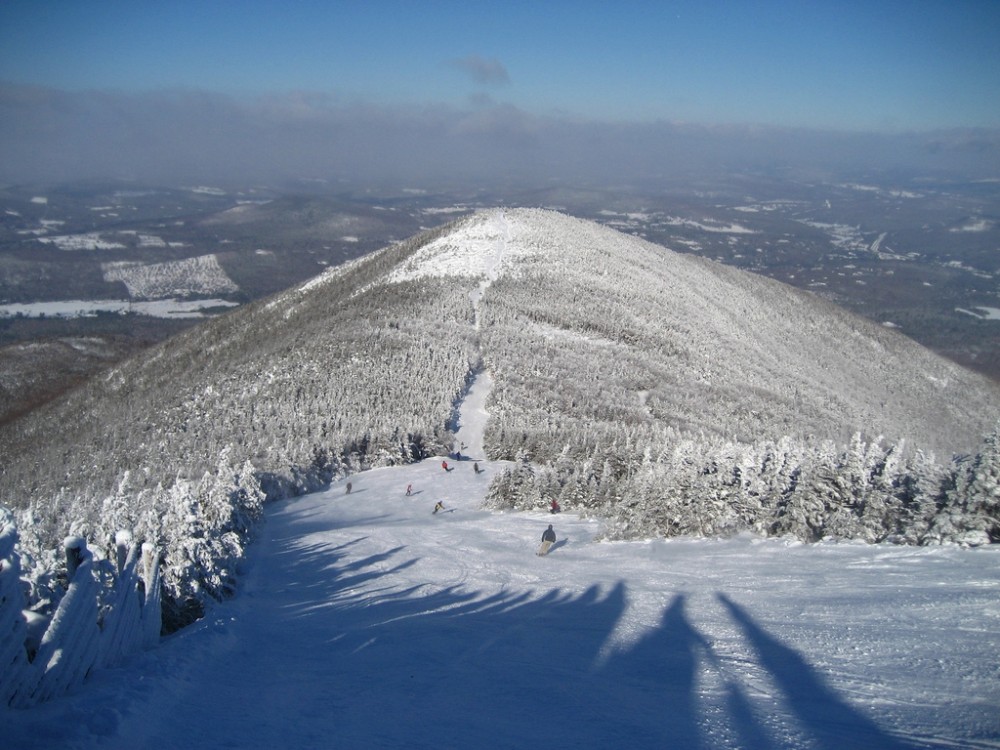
(494, 261)
(366, 620)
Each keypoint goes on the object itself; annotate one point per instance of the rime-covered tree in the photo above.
(971, 512)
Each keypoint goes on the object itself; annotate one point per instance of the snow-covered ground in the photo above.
(161, 308)
(366, 620)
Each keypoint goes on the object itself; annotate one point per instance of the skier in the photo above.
(439, 506)
(548, 539)
(475, 467)
(348, 488)
(554, 507)
(444, 465)
(409, 490)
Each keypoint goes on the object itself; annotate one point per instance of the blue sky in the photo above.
(883, 66)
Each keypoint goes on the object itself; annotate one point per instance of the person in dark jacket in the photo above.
(549, 535)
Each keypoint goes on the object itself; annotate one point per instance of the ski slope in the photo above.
(367, 621)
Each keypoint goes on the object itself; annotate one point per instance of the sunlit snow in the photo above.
(367, 620)
(163, 308)
(190, 276)
(477, 249)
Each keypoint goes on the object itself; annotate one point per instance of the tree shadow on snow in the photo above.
(832, 722)
(508, 670)
(431, 666)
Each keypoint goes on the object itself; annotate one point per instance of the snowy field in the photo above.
(162, 308)
(367, 621)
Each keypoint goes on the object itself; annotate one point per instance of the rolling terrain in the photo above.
(128, 266)
(620, 369)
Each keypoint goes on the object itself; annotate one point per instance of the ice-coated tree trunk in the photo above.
(14, 666)
(70, 647)
(152, 617)
(122, 633)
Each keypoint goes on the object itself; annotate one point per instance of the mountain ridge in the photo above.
(720, 329)
(756, 325)
(604, 351)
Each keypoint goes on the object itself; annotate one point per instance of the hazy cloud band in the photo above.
(48, 135)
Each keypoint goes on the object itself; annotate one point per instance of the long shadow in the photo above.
(308, 526)
(556, 545)
(832, 722)
(428, 666)
(663, 665)
(507, 670)
(751, 734)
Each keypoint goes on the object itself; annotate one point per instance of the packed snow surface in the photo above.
(367, 620)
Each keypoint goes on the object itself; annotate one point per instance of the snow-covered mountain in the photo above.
(672, 393)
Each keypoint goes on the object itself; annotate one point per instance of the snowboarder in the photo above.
(409, 490)
(444, 465)
(348, 488)
(554, 507)
(548, 539)
(439, 506)
(475, 468)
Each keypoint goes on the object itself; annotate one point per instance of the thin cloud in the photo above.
(180, 136)
(488, 72)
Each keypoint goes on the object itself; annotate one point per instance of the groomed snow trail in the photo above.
(367, 621)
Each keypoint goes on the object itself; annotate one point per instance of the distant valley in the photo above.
(90, 274)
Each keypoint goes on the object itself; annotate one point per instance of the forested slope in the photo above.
(665, 392)
(182, 444)
(674, 395)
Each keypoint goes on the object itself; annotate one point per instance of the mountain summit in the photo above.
(584, 322)
(611, 358)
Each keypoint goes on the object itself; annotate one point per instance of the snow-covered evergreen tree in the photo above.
(971, 510)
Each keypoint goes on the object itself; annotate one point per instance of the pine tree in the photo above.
(971, 514)
(921, 491)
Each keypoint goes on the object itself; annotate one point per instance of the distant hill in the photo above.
(605, 351)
